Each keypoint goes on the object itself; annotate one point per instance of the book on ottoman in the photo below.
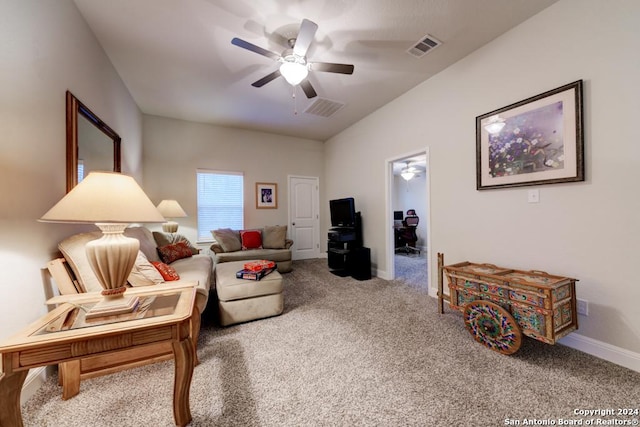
(254, 275)
(258, 265)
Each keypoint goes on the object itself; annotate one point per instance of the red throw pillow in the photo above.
(173, 252)
(167, 272)
(251, 239)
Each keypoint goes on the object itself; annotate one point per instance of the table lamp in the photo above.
(171, 209)
(111, 201)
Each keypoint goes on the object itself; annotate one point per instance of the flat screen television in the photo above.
(343, 212)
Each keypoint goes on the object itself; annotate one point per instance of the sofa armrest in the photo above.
(288, 243)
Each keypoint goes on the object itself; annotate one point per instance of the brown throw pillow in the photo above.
(171, 253)
(164, 239)
(274, 236)
(228, 239)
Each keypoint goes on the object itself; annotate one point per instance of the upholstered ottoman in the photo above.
(241, 300)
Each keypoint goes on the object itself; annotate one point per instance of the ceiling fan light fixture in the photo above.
(294, 69)
(293, 61)
(407, 174)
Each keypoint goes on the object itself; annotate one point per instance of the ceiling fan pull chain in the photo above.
(295, 100)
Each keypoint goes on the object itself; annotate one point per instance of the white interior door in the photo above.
(304, 217)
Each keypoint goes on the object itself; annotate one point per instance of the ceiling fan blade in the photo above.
(266, 79)
(308, 89)
(305, 37)
(253, 48)
(332, 68)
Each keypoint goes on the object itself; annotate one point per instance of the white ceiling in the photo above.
(177, 60)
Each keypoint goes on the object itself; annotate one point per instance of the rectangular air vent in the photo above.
(424, 46)
(323, 107)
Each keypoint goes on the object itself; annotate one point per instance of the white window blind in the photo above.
(220, 201)
(80, 170)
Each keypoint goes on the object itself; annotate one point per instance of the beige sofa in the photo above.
(193, 267)
(198, 267)
(228, 247)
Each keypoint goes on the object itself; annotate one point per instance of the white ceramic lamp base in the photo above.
(112, 257)
(170, 227)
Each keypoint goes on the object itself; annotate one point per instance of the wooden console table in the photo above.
(64, 335)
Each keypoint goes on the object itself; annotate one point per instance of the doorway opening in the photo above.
(408, 231)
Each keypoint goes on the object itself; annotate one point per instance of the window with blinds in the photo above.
(80, 170)
(220, 201)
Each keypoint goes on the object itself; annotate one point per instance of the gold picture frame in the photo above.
(266, 195)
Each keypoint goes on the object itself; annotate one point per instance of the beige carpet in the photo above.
(345, 353)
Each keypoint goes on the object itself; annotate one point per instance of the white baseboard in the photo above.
(382, 274)
(35, 378)
(608, 352)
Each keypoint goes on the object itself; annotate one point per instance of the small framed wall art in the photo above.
(535, 141)
(266, 195)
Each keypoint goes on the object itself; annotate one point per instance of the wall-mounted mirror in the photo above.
(91, 144)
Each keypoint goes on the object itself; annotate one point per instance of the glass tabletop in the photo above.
(75, 317)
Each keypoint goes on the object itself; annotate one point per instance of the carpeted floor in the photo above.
(350, 353)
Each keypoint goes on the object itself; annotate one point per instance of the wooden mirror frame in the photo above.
(75, 107)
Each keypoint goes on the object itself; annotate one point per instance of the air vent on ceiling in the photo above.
(423, 46)
(323, 107)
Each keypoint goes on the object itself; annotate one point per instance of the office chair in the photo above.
(406, 236)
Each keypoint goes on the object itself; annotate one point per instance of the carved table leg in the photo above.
(184, 362)
(70, 377)
(10, 388)
(195, 332)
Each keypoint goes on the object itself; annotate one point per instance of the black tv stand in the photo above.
(347, 256)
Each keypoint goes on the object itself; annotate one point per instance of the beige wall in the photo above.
(587, 230)
(45, 49)
(174, 149)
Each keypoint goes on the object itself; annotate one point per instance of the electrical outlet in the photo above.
(533, 196)
(582, 306)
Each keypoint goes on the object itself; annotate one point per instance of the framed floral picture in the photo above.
(266, 195)
(536, 141)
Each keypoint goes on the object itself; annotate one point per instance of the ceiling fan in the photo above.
(410, 171)
(294, 66)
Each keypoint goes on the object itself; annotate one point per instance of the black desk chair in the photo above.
(406, 236)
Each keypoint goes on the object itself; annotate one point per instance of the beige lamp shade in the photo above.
(105, 197)
(171, 209)
(110, 200)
